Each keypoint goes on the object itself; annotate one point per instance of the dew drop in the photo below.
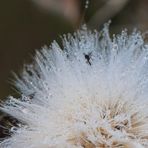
(86, 4)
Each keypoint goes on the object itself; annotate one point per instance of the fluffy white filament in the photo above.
(91, 93)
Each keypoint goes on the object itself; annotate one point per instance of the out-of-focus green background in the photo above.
(26, 26)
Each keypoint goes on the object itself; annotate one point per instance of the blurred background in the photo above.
(27, 25)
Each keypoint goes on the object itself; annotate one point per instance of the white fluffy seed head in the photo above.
(90, 93)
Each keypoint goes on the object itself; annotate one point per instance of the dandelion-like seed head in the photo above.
(90, 93)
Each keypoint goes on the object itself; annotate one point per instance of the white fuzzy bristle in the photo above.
(91, 93)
